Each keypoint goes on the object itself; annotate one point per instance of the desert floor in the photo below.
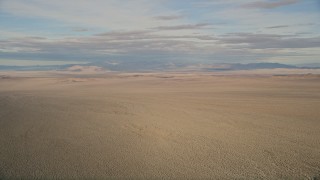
(160, 125)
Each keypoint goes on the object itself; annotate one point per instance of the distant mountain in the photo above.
(136, 65)
(163, 66)
(250, 66)
(139, 66)
(309, 65)
(67, 67)
(34, 68)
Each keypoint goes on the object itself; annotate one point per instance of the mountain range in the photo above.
(154, 66)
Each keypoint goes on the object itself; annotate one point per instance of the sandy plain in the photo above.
(160, 125)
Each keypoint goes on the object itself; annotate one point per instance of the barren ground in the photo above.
(157, 125)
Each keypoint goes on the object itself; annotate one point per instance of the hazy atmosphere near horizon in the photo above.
(160, 89)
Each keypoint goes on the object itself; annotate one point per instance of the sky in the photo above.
(37, 32)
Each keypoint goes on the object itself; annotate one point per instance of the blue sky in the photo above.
(213, 31)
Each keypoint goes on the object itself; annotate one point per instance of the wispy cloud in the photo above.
(269, 41)
(293, 25)
(78, 29)
(168, 17)
(269, 4)
(279, 26)
(141, 45)
(184, 26)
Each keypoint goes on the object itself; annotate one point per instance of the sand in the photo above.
(160, 125)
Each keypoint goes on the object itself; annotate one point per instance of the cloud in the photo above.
(149, 46)
(106, 43)
(78, 29)
(125, 34)
(269, 4)
(306, 24)
(270, 41)
(279, 26)
(286, 26)
(253, 20)
(168, 17)
(184, 26)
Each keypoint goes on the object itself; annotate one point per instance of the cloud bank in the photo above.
(160, 30)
